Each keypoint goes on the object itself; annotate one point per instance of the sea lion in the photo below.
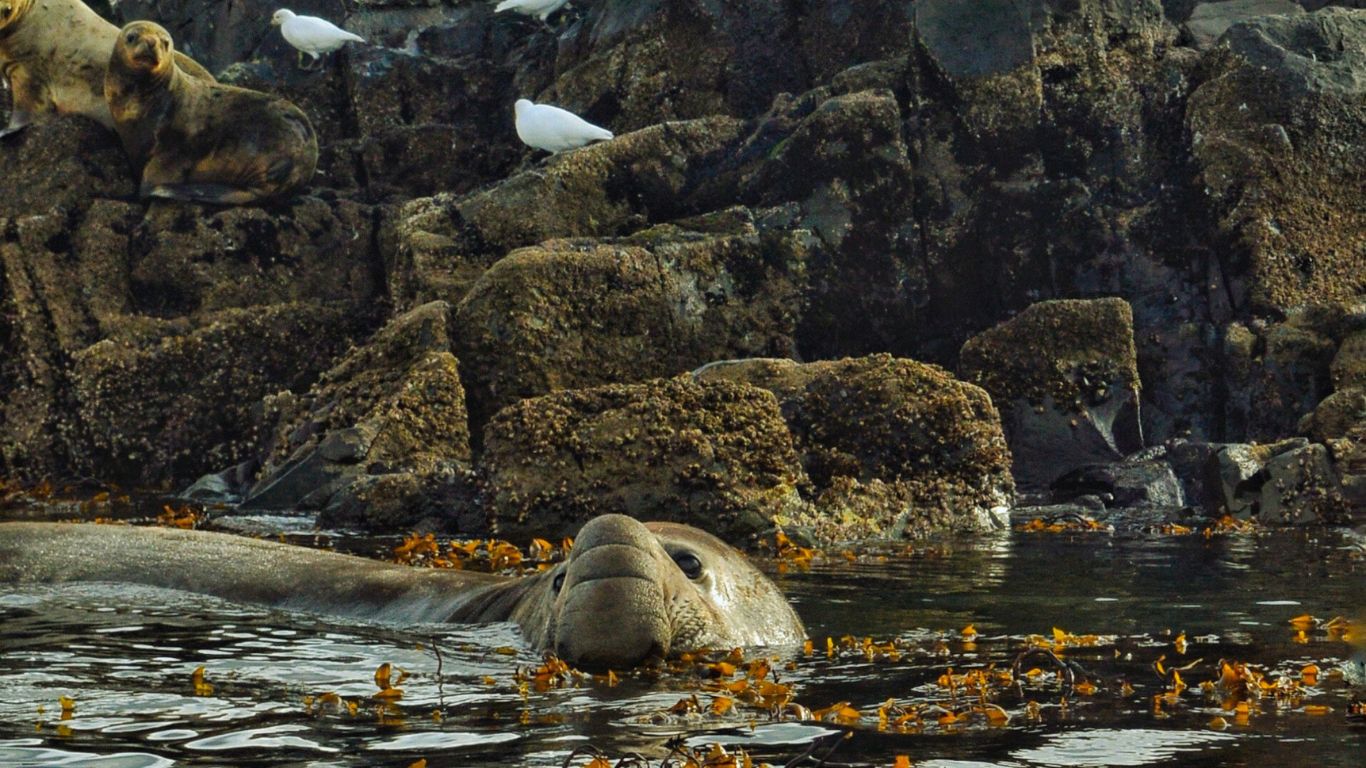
(202, 141)
(53, 54)
(628, 591)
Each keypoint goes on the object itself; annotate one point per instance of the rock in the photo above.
(1291, 482)
(1274, 131)
(59, 164)
(602, 190)
(629, 65)
(142, 398)
(394, 405)
(217, 34)
(893, 448)
(440, 498)
(1209, 21)
(1348, 368)
(1301, 488)
(1336, 416)
(1065, 378)
(714, 455)
(1125, 484)
(1290, 377)
(189, 258)
(570, 314)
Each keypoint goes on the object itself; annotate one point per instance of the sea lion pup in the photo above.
(53, 54)
(201, 141)
(628, 591)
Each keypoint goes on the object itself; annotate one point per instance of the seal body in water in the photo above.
(202, 141)
(53, 53)
(628, 591)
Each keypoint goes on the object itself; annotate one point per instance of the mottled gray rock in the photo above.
(1149, 483)
(1209, 21)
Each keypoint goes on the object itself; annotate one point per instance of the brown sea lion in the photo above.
(201, 141)
(628, 591)
(53, 54)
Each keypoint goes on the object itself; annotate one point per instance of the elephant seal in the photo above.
(628, 591)
(53, 53)
(202, 141)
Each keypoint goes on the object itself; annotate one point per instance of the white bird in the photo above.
(553, 129)
(311, 35)
(539, 8)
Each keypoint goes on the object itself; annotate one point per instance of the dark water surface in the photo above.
(126, 655)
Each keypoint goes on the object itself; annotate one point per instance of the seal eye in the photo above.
(558, 583)
(131, 37)
(689, 564)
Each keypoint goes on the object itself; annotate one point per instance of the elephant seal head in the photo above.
(630, 591)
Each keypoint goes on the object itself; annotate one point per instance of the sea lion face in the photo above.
(12, 10)
(145, 47)
(631, 591)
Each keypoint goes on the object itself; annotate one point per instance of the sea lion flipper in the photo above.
(220, 194)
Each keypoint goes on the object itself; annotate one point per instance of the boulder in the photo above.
(1209, 21)
(1291, 482)
(1348, 368)
(394, 405)
(191, 258)
(570, 314)
(1065, 377)
(57, 165)
(180, 398)
(893, 448)
(1301, 487)
(1276, 131)
(1337, 416)
(714, 455)
(1124, 484)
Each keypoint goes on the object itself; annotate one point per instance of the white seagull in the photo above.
(311, 35)
(539, 8)
(553, 129)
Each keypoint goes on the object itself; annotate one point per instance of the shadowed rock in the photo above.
(1065, 377)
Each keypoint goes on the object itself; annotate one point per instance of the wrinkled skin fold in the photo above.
(628, 592)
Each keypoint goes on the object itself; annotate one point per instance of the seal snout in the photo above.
(612, 606)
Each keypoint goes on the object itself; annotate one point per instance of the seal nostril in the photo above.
(558, 583)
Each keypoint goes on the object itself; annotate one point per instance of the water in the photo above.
(126, 656)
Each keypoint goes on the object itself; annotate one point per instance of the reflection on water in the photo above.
(126, 655)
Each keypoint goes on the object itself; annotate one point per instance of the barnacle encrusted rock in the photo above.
(394, 404)
(715, 455)
(179, 398)
(1277, 135)
(1065, 376)
(893, 447)
(570, 313)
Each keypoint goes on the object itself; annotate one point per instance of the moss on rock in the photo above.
(714, 455)
(570, 314)
(893, 447)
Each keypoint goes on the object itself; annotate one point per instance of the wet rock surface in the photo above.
(1127, 222)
